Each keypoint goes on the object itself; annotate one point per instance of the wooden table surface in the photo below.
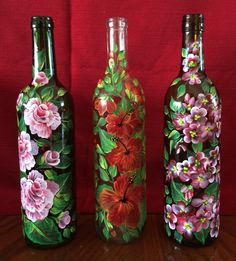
(154, 245)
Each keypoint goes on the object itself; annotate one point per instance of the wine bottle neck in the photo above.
(192, 53)
(43, 55)
(117, 42)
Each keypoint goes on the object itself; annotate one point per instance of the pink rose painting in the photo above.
(52, 158)
(27, 150)
(37, 195)
(40, 79)
(41, 117)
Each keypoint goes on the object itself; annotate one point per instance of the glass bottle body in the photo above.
(45, 147)
(119, 162)
(191, 153)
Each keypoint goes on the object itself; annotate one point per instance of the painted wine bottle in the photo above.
(119, 162)
(45, 144)
(192, 148)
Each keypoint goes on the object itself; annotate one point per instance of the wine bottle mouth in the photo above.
(193, 22)
(41, 21)
(117, 22)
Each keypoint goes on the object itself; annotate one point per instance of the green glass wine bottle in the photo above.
(45, 146)
(120, 175)
(192, 143)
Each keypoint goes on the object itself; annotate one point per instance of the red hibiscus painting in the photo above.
(122, 203)
(127, 155)
(122, 124)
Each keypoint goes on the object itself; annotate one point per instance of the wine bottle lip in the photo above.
(193, 22)
(41, 21)
(117, 22)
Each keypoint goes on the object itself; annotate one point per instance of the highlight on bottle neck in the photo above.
(192, 48)
(116, 36)
(43, 56)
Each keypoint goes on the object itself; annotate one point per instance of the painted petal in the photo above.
(108, 198)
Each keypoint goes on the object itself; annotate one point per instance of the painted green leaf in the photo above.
(121, 55)
(107, 80)
(178, 237)
(111, 63)
(103, 162)
(64, 181)
(123, 63)
(47, 93)
(103, 174)
(61, 92)
(43, 232)
(205, 87)
(177, 195)
(115, 46)
(42, 142)
(166, 154)
(143, 215)
(166, 132)
(181, 90)
(197, 147)
(175, 81)
(166, 110)
(66, 233)
(125, 104)
(175, 105)
(119, 86)
(99, 150)
(172, 145)
(213, 189)
(40, 160)
(202, 235)
(184, 52)
(65, 162)
(214, 142)
(167, 192)
(107, 144)
(136, 82)
(174, 135)
(101, 122)
(109, 88)
(213, 90)
(169, 200)
(22, 126)
(115, 77)
(59, 204)
(23, 174)
(168, 231)
(50, 174)
(113, 171)
(170, 125)
(106, 233)
(67, 149)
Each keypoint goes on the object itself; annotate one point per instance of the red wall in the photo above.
(154, 37)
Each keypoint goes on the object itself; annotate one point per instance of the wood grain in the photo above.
(154, 245)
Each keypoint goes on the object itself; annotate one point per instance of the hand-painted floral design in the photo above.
(40, 79)
(41, 117)
(119, 152)
(45, 149)
(52, 158)
(37, 195)
(192, 157)
(64, 219)
(122, 203)
(127, 155)
(27, 149)
(191, 64)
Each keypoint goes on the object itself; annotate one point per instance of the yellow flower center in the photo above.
(197, 117)
(205, 101)
(168, 215)
(199, 178)
(189, 107)
(180, 122)
(197, 163)
(193, 134)
(202, 219)
(207, 129)
(205, 202)
(185, 169)
(187, 227)
(174, 168)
